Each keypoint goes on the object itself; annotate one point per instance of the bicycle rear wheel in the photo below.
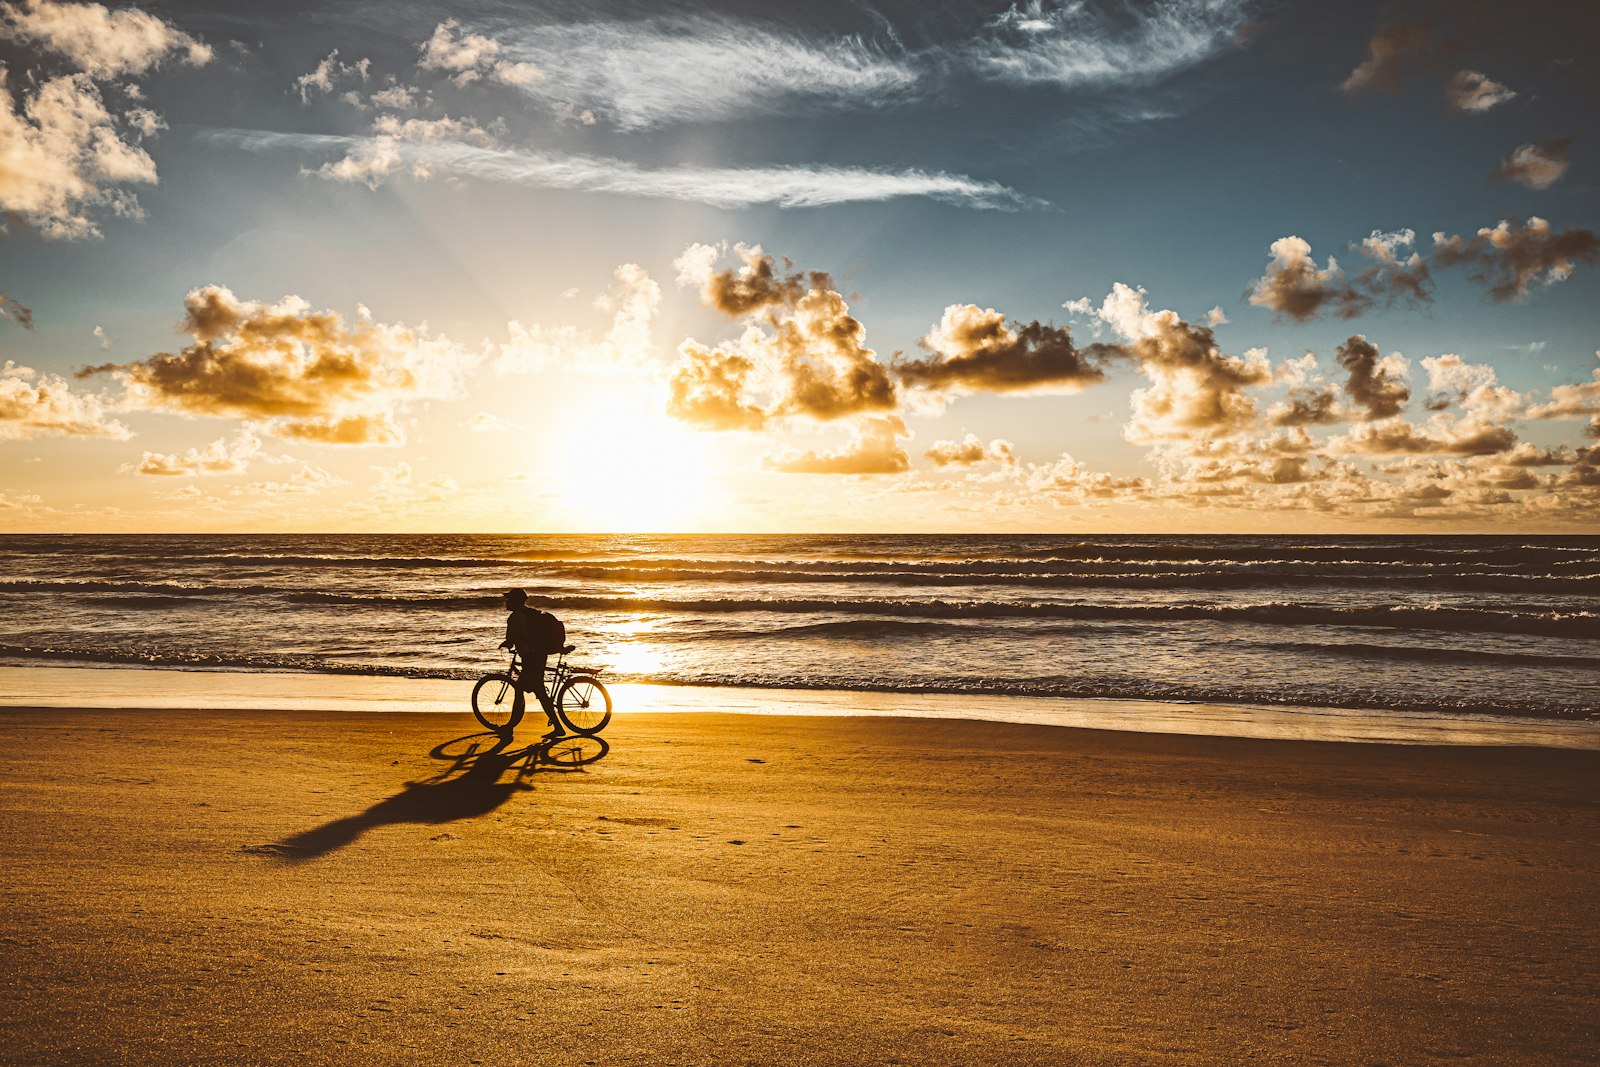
(584, 705)
(494, 702)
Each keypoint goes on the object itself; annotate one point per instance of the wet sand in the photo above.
(299, 886)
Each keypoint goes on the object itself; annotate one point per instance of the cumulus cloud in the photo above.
(971, 451)
(100, 42)
(1573, 402)
(626, 346)
(1294, 287)
(308, 480)
(14, 310)
(710, 389)
(328, 74)
(37, 405)
(1473, 92)
(304, 374)
(486, 422)
(801, 346)
(373, 159)
(1511, 256)
(1375, 383)
(467, 57)
(874, 448)
(1196, 390)
(1068, 478)
(64, 158)
(1073, 44)
(224, 456)
(1538, 166)
(1441, 435)
(973, 350)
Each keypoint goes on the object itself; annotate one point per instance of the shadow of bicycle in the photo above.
(483, 771)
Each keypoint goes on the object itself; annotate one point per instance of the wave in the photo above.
(1436, 655)
(1571, 621)
(1053, 687)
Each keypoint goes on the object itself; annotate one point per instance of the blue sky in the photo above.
(516, 193)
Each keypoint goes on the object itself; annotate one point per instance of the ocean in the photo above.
(1474, 625)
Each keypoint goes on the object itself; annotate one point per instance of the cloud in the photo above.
(709, 389)
(1439, 436)
(1573, 402)
(304, 374)
(1511, 256)
(38, 405)
(669, 70)
(874, 448)
(328, 73)
(100, 42)
(371, 160)
(626, 347)
(63, 158)
(974, 351)
(470, 56)
(1376, 383)
(1538, 166)
(1307, 406)
(970, 451)
(802, 347)
(1473, 92)
(13, 310)
(1196, 390)
(224, 456)
(1294, 287)
(487, 422)
(1073, 45)
(309, 480)
(1391, 53)
(1068, 478)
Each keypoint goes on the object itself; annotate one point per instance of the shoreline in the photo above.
(227, 691)
(275, 887)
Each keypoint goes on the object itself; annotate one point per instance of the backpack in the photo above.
(549, 632)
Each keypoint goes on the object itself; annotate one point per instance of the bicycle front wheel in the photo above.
(584, 705)
(494, 701)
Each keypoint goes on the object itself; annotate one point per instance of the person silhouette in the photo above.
(522, 635)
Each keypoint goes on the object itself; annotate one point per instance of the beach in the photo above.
(287, 886)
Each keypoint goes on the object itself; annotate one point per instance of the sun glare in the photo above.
(634, 470)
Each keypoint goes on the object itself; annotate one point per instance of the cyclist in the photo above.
(522, 635)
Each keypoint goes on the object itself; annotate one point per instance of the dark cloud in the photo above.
(1294, 287)
(803, 348)
(1512, 256)
(974, 351)
(306, 374)
(1307, 406)
(874, 448)
(1393, 53)
(1538, 166)
(12, 310)
(1374, 383)
(1398, 437)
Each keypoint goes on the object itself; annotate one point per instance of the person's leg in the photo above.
(534, 673)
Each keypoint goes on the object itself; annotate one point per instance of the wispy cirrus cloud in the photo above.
(375, 159)
(1077, 44)
(639, 74)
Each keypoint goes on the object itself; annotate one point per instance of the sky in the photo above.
(1097, 266)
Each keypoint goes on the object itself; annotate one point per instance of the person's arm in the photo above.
(507, 643)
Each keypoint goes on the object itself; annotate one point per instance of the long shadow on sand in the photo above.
(475, 783)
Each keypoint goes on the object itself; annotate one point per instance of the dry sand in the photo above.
(301, 887)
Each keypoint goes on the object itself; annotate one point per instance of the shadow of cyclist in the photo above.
(474, 784)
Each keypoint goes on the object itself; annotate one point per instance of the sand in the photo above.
(307, 887)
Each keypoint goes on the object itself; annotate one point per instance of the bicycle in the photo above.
(582, 703)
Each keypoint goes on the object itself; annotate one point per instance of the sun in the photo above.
(625, 467)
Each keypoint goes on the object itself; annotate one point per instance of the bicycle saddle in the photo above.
(565, 649)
